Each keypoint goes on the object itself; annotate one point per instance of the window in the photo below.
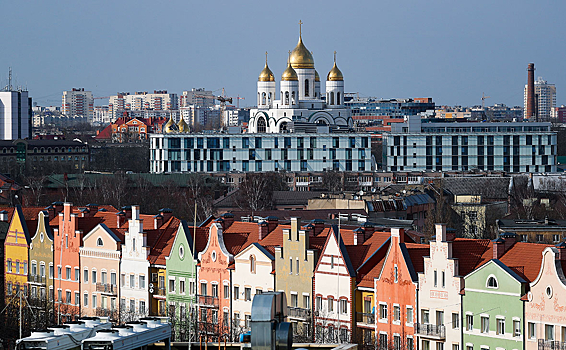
(396, 313)
(51, 272)
(85, 300)
(93, 278)
(132, 280)
(68, 297)
(485, 324)
(455, 320)
(318, 303)
(248, 294)
(203, 288)
(77, 274)
(532, 330)
(247, 320)
(425, 316)
(383, 312)
(215, 290)
(443, 279)
(42, 270)
(383, 345)
(33, 268)
(290, 265)
(306, 302)
(410, 344)
(252, 264)
(439, 346)
(500, 326)
(517, 328)
(409, 314)
(85, 275)
(99, 242)
(77, 299)
(470, 322)
(172, 286)
(491, 282)
(181, 286)
(226, 291)
(142, 283)
(132, 305)
(330, 304)
(439, 317)
(435, 278)
(68, 273)
(548, 332)
(455, 346)
(396, 342)
(396, 273)
(142, 307)
(94, 301)
(258, 291)
(343, 306)
(236, 292)
(426, 345)
(294, 300)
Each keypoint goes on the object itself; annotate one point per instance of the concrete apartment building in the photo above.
(545, 99)
(15, 115)
(78, 102)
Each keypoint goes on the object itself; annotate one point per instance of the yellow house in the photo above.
(16, 253)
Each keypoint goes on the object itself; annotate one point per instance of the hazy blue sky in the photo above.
(449, 50)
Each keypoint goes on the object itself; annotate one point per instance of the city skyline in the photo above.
(452, 52)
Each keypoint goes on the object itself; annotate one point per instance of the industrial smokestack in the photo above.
(531, 111)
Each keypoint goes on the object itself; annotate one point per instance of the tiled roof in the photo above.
(471, 253)
(524, 259)
(163, 243)
(105, 134)
(487, 187)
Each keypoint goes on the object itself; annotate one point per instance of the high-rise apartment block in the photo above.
(15, 115)
(197, 97)
(159, 100)
(78, 102)
(544, 100)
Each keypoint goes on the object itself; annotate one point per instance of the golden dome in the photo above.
(301, 57)
(316, 76)
(266, 74)
(182, 125)
(170, 126)
(335, 74)
(289, 73)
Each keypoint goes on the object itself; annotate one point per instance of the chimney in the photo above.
(3, 215)
(561, 251)
(359, 236)
(399, 233)
(531, 91)
(85, 212)
(66, 210)
(93, 208)
(157, 221)
(272, 222)
(510, 238)
(318, 226)
(263, 229)
(228, 219)
(167, 214)
(51, 212)
(58, 207)
(368, 229)
(498, 248)
(120, 219)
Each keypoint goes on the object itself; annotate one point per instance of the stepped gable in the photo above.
(162, 244)
(471, 253)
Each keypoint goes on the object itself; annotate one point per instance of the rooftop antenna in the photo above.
(10, 79)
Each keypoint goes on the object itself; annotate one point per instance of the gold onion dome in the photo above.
(301, 57)
(316, 76)
(335, 74)
(170, 126)
(182, 125)
(289, 73)
(266, 74)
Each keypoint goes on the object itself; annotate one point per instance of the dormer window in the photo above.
(99, 242)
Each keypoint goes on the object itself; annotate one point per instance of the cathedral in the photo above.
(299, 100)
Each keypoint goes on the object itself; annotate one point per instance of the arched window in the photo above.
(492, 282)
(258, 98)
(270, 98)
(283, 127)
(338, 98)
(252, 264)
(263, 98)
(293, 97)
(286, 97)
(261, 125)
(134, 244)
(99, 242)
(321, 122)
(306, 87)
(331, 98)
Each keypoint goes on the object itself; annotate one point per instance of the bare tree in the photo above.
(256, 191)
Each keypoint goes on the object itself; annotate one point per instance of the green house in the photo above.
(180, 284)
(493, 308)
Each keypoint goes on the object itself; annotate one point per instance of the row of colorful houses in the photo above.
(369, 285)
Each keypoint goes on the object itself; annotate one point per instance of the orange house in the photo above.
(396, 289)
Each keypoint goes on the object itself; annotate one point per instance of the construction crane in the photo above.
(238, 99)
(483, 97)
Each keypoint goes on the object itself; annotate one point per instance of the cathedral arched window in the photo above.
(261, 125)
(293, 97)
(306, 87)
(270, 98)
(286, 97)
(263, 98)
(258, 98)
(338, 98)
(283, 127)
(331, 98)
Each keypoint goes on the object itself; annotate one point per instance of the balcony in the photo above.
(36, 279)
(551, 345)
(365, 319)
(297, 312)
(431, 330)
(160, 291)
(107, 288)
(207, 300)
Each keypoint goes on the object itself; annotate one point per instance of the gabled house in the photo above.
(545, 311)
(100, 256)
(16, 253)
(40, 278)
(396, 293)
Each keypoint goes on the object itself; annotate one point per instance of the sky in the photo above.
(452, 51)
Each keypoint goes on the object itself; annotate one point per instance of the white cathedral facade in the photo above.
(299, 98)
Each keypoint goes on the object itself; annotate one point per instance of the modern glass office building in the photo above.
(417, 145)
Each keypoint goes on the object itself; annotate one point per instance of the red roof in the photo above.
(105, 134)
(524, 259)
(163, 241)
(471, 253)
